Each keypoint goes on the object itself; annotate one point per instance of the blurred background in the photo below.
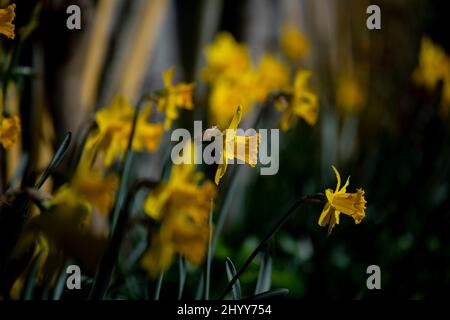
(375, 124)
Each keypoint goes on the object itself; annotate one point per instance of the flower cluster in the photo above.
(236, 81)
(89, 207)
(181, 208)
(114, 122)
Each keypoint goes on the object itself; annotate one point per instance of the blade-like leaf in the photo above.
(265, 274)
(60, 283)
(182, 262)
(59, 154)
(31, 278)
(158, 286)
(231, 272)
(200, 286)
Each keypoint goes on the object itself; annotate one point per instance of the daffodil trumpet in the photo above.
(231, 146)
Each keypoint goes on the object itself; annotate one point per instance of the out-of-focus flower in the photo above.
(235, 81)
(350, 97)
(7, 16)
(114, 128)
(174, 97)
(225, 57)
(71, 224)
(181, 207)
(271, 75)
(303, 103)
(71, 227)
(9, 131)
(94, 186)
(226, 92)
(244, 148)
(293, 43)
(434, 66)
(9, 128)
(41, 252)
(352, 204)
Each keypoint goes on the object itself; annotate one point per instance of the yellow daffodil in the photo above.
(434, 64)
(303, 103)
(350, 96)
(244, 148)
(293, 43)
(226, 92)
(340, 201)
(71, 224)
(235, 81)
(93, 186)
(9, 131)
(7, 16)
(114, 128)
(174, 97)
(181, 207)
(271, 75)
(225, 57)
(71, 227)
(9, 128)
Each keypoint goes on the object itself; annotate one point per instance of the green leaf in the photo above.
(265, 274)
(59, 155)
(31, 278)
(231, 272)
(158, 286)
(182, 274)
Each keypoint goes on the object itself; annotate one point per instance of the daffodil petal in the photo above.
(324, 216)
(236, 118)
(221, 169)
(338, 177)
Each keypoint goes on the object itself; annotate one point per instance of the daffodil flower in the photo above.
(174, 97)
(71, 228)
(434, 66)
(340, 201)
(9, 127)
(114, 128)
(94, 186)
(181, 207)
(350, 96)
(244, 148)
(7, 16)
(9, 131)
(303, 103)
(293, 43)
(225, 58)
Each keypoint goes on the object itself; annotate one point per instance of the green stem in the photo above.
(159, 285)
(317, 198)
